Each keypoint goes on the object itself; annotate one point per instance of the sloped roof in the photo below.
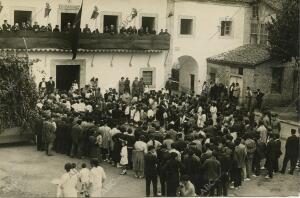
(275, 4)
(221, 1)
(246, 55)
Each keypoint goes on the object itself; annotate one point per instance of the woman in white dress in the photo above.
(68, 182)
(97, 178)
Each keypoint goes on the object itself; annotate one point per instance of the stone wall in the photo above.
(259, 77)
(263, 81)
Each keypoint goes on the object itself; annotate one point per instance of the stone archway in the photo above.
(185, 73)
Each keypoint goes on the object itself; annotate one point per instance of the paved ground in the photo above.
(288, 113)
(26, 172)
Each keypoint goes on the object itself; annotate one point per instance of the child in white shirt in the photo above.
(84, 174)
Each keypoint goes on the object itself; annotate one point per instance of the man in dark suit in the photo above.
(86, 30)
(259, 99)
(36, 27)
(278, 151)
(151, 163)
(42, 85)
(50, 86)
(271, 154)
(6, 27)
(291, 152)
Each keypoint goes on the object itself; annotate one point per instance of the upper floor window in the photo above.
(254, 33)
(110, 23)
(22, 16)
(186, 26)
(226, 27)
(255, 11)
(276, 80)
(148, 23)
(263, 34)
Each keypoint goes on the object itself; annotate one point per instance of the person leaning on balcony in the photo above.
(96, 31)
(166, 32)
(123, 31)
(153, 31)
(56, 28)
(147, 31)
(68, 28)
(16, 27)
(161, 32)
(113, 30)
(36, 27)
(141, 31)
(6, 27)
(106, 30)
(49, 27)
(23, 26)
(86, 30)
(134, 30)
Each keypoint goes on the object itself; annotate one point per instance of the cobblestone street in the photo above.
(27, 172)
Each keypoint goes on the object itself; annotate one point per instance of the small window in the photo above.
(148, 22)
(148, 77)
(241, 71)
(276, 80)
(263, 34)
(186, 26)
(254, 33)
(255, 11)
(226, 28)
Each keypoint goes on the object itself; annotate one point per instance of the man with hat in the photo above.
(291, 152)
(6, 27)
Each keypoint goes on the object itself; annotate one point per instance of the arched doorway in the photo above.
(185, 74)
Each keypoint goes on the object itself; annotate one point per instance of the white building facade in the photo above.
(199, 29)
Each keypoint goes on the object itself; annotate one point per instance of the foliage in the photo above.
(284, 32)
(18, 93)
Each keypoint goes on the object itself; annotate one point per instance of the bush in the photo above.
(18, 92)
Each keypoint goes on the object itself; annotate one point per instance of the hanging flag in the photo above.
(95, 13)
(1, 6)
(75, 31)
(133, 13)
(47, 10)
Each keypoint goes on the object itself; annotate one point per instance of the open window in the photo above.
(186, 26)
(22, 16)
(67, 18)
(148, 22)
(109, 20)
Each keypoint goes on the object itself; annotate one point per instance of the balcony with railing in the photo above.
(61, 40)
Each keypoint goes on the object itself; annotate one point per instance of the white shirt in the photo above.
(150, 113)
(97, 177)
(84, 175)
(140, 146)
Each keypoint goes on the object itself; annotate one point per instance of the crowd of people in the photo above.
(195, 144)
(109, 29)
